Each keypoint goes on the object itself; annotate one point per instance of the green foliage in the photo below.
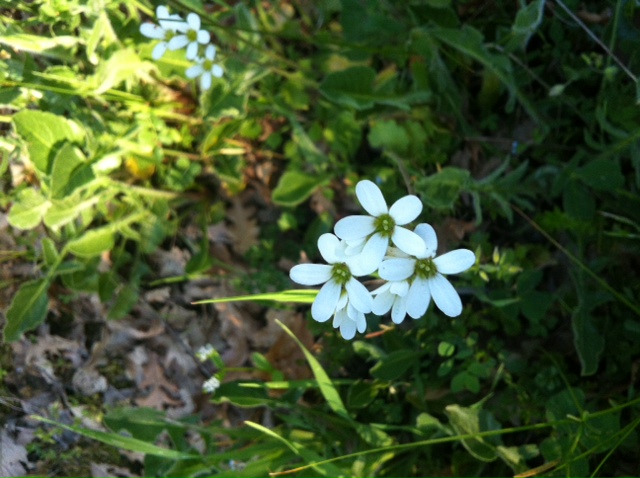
(517, 126)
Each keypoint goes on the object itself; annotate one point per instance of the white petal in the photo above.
(445, 296)
(192, 51)
(428, 235)
(348, 328)
(328, 245)
(361, 322)
(210, 52)
(325, 304)
(399, 311)
(382, 303)
(217, 71)
(159, 50)
(359, 296)
(178, 42)
(406, 209)
(310, 274)
(205, 80)
(372, 254)
(400, 288)
(409, 242)
(455, 262)
(173, 23)
(152, 31)
(341, 314)
(203, 37)
(354, 227)
(418, 298)
(193, 19)
(371, 198)
(397, 269)
(194, 71)
(162, 11)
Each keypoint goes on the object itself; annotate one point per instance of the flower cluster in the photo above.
(176, 33)
(405, 259)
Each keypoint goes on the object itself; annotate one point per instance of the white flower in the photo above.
(391, 296)
(348, 318)
(191, 36)
(205, 68)
(205, 352)
(340, 292)
(425, 274)
(211, 385)
(168, 26)
(373, 233)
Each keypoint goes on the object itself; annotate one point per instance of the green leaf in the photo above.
(28, 309)
(43, 133)
(587, 339)
(466, 421)
(63, 211)
(525, 25)
(602, 174)
(69, 170)
(393, 365)
(49, 252)
(122, 442)
(122, 65)
(28, 208)
(59, 47)
(93, 243)
(295, 187)
(442, 190)
(361, 394)
(301, 296)
(389, 135)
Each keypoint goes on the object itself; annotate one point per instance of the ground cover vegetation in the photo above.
(328, 238)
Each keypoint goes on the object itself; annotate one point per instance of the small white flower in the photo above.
(425, 274)
(205, 68)
(211, 385)
(205, 352)
(340, 292)
(348, 319)
(168, 26)
(380, 227)
(191, 36)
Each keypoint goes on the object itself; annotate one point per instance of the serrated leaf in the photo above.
(295, 187)
(27, 209)
(28, 309)
(44, 133)
(442, 190)
(93, 243)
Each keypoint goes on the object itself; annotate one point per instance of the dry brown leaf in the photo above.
(243, 227)
(162, 393)
(285, 355)
(13, 456)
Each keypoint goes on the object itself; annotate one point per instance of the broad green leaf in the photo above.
(63, 211)
(122, 65)
(69, 170)
(587, 339)
(28, 309)
(466, 421)
(389, 135)
(361, 394)
(121, 442)
(394, 364)
(93, 243)
(43, 133)
(49, 252)
(28, 208)
(59, 47)
(295, 187)
(602, 174)
(525, 25)
(351, 87)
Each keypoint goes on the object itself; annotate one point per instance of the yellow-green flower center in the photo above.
(207, 65)
(425, 268)
(341, 273)
(385, 225)
(192, 35)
